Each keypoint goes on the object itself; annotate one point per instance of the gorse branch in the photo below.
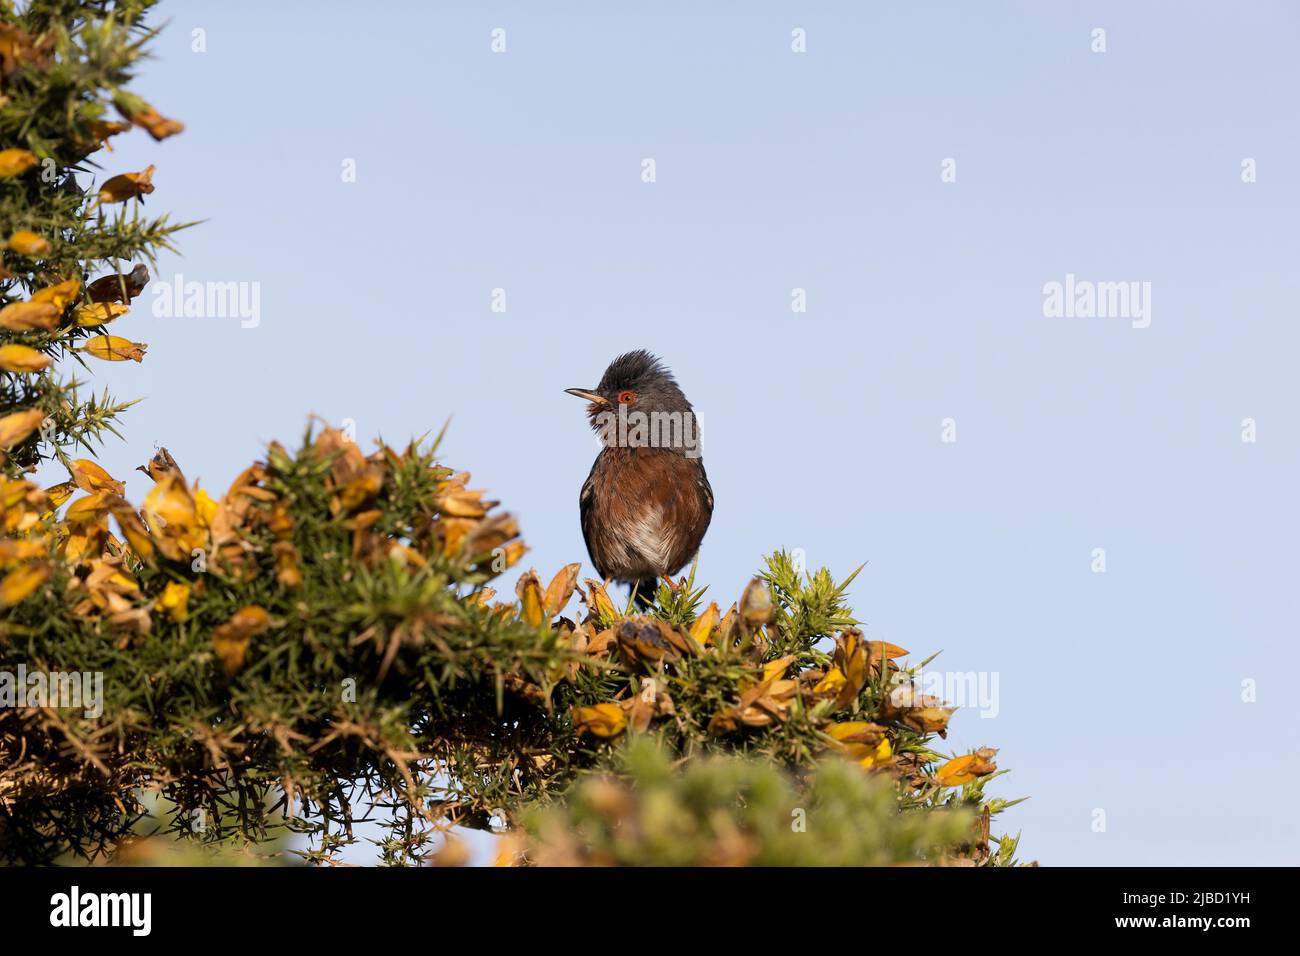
(234, 677)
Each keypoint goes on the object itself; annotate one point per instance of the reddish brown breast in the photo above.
(644, 512)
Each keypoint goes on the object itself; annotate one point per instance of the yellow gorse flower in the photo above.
(21, 359)
(27, 243)
(15, 162)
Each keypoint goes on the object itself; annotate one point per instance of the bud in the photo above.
(128, 186)
(756, 604)
(114, 348)
(15, 162)
(27, 316)
(15, 428)
(95, 314)
(29, 244)
(21, 359)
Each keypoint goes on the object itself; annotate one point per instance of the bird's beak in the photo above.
(588, 394)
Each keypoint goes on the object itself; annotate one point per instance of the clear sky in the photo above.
(1119, 691)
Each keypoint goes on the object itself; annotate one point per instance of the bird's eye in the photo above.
(626, 397)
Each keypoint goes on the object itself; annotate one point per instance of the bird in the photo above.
(647, 502)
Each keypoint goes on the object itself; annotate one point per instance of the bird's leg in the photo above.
(672, 585)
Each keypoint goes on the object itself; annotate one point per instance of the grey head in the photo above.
(635, 382)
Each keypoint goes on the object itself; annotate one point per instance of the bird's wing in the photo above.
(703, 480)
(586, 504)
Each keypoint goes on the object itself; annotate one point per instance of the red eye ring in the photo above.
(626, 397)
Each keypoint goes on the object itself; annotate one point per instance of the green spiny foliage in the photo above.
(726, 810)
(63, 76)
(322, 644)
(330, 649)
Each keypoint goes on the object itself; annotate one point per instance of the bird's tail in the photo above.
(644, 593)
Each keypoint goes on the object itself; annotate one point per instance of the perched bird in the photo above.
(647, 502)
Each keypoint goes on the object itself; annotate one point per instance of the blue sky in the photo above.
(1119, 691)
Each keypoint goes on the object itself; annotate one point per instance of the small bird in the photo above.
(647, 502)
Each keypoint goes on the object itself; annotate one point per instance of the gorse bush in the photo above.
(723, 811)
(323, 639)
(323, 644)
(63, 74)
